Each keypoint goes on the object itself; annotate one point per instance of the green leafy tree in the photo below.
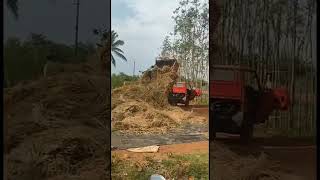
(190, 44)
(166, 47)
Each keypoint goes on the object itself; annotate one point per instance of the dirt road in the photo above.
(201, 147)
(184, 148)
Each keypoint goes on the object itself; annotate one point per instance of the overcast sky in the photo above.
(142, 24)
(56, 19)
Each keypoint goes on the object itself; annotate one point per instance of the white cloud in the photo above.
(143, 32)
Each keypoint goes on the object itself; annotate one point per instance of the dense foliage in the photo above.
(117, 80)
(189, 41)
(25, 59)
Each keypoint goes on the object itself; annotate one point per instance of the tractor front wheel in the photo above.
(172, 102)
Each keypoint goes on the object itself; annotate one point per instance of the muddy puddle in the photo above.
(185, 134)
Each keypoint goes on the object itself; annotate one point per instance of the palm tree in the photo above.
(115, 43)
(115, 47)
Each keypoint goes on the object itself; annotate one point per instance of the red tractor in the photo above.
(238, 102)
(181, 93)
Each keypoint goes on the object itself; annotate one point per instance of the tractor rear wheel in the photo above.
(246, 133)
(187, 102)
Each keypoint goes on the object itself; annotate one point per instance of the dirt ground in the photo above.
(201, 110)
(290, 158)
(164, 151)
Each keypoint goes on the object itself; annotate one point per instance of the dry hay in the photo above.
(141, 118)
(143, 107)
(55, 111)
(152, 87)
(226, 165)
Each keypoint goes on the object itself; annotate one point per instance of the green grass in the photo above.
(175, 166)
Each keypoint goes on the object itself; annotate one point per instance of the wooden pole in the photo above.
(77, 27)
(134, 66)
